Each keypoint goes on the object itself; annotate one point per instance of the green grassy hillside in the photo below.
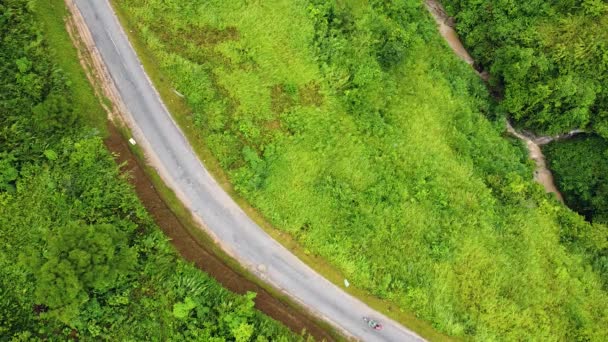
(80, 259)
(350, 125)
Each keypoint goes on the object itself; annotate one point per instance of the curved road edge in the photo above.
(169, 152)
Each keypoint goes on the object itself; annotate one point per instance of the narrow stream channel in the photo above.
(542, 174)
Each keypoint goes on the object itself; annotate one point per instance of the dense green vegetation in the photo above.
(580, 167)
(80, 257)
(350, 125)
(548, 58)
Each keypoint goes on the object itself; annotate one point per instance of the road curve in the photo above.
(237, 234)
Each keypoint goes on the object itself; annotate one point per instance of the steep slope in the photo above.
(352, 127)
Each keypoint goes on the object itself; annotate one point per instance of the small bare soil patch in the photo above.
(281, 99)
(310, 95)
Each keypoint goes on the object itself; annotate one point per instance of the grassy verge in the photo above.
(182, 115)
(51, 14)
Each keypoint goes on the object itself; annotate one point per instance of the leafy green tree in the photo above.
(580, 167)
(182, 310)
(77, 261)
(8, 173)
(546, 59)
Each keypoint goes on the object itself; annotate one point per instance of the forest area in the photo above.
(351, 126)
(548, 61)
(80, 258)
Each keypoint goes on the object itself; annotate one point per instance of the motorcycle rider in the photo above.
(372, 323)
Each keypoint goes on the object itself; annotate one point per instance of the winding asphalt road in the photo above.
(236, 233)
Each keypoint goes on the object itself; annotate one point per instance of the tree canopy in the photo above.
(547, 58)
